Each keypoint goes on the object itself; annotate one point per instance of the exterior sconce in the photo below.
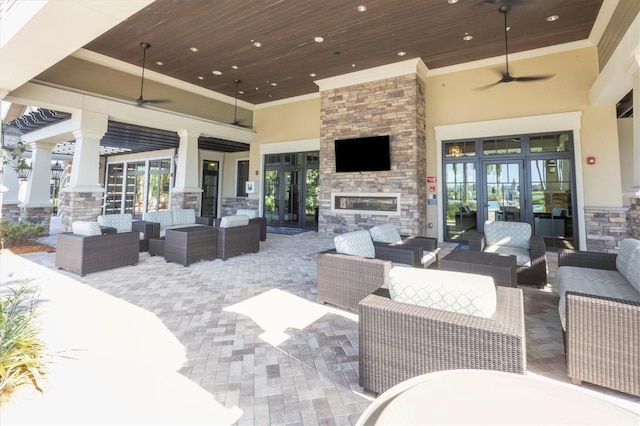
(551, 166)
(10, 136)
(56, 171)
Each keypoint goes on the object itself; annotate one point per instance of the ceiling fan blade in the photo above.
(533, 77)
(488, 86)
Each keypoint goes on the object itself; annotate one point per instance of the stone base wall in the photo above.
(394, 107)
(634, 217)
(606, 227)
(79, 206)
(39, 215)
(232, 204)
(10, 213)
(186, 200)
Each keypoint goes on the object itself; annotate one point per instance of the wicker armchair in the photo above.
(236, 236)
(515, 238)
(83, 254)
(387, 235)
(600, 315)
(398, 341)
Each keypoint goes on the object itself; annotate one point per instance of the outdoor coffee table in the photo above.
(501, 267)
(190, 244)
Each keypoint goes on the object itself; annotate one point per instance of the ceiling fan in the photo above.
(142, 101)
(237, 122)
(506, 76)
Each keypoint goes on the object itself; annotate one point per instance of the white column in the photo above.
(38, 194)
(187, 167)
(635, 73)
(86, 156)
(10, 187)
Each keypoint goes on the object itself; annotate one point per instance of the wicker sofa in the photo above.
(357, 267)
(87, 250)
(514, 238)
(600, 313)
(400, 338)
(177, 218)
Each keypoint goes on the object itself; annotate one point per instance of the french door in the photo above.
(501, 197)
(210, 176)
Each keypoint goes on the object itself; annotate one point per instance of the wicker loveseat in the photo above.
(87, 250)
(403, 338)
(514, 238)
(357, 267)
(177, 218)
(600, 314)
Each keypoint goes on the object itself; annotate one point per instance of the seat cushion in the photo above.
(233, 221)
(122, 222)
(628, 261)
(248, 212)
(164, 218)
(183, 216)
(599, 282)
(386, 233)
(512, 234)
(458, 292)
(523, 256)
(86, 228)
(355, 243)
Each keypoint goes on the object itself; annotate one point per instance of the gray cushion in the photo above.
(523, 256)
(628, 261)
(183, 216)
(512, 234)
(355, 243)
(122, 222)
(386, 233)
(164, 218)
(458, 292)
(86, 228)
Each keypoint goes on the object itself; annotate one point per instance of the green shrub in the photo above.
(20, 346)
(16, 233)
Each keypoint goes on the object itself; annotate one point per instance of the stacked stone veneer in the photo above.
(39, 215)
(634, 217)
(231, 204)
(185, 200)
(606, 227)
(76, 205)
(10, 213)
(394, 107)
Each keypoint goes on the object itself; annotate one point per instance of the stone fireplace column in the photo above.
(186, 192)
(82, 199)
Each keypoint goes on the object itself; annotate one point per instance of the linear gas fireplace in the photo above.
(366, 203)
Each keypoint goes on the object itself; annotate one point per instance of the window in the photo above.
(242, 176)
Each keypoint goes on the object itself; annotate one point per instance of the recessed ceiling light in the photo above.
(257, 44)
(241, 92)
(362, 8)
(318, 39)
(159, 63)
(452, 1)
(467, 37)
(235, 67)
(216, 72)
(402, 53)
(274, 84)
(193, 49)
(353, 65)
(313, 74)
(200, 77)
(553, 18)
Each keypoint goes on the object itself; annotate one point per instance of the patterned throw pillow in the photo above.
(512, 234)
(233, 221)
(628, 261)
(356, 243)
(122, 222)
(164, 218)
(86, 228)
(386, 233)
(458, 292)
(183, 216)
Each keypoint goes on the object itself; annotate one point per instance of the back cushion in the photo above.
(85, 227)
(386, 233)
(628, 261)
(356, 243)
(512, 234)
(164, 218)
(233, 221)
(458, 292)
(122, 222)
(248, 212)
(184, 216)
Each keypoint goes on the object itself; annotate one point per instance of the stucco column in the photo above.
(82, 199)
(634, 69)
(37, 206)
(186, 192)
(9, 193)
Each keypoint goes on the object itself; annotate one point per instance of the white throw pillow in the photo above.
(86, 228)
(446, 290)
(233, 221)
(248, 212)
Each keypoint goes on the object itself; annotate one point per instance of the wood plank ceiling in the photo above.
(289, 60)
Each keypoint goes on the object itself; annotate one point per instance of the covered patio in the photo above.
(242, 341)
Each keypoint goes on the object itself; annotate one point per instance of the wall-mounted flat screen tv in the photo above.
(366, 154)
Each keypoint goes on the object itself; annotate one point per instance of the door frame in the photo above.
(567, 121)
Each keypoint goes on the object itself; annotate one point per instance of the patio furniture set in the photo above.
(115, 240)
(469, 314)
